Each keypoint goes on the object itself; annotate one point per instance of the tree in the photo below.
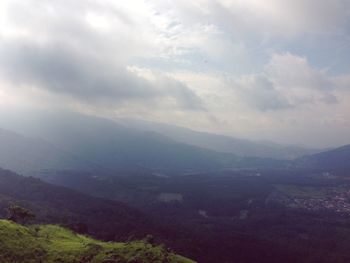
(19, 214)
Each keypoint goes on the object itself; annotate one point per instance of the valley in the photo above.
(157, 131)
(115, 183)
(297, 213)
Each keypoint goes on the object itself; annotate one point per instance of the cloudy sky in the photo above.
(273, 70)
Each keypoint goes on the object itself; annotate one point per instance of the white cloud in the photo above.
(284, 17)
(260, 92)
(287, 81)
(82, 50)
(228, 66)
(289, 100)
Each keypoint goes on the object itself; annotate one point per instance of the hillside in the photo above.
(115, 147)
(25, 155)
(338, 158)
(103, 219)
(221, 143)
(50, 243)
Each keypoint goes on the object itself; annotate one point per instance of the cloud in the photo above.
(287, 81)
(270, 18)
(249, 65)
(260, 93)
(68, 57)
(288, 18)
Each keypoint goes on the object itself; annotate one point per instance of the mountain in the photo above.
(338, 158)
(50, 243)
(114, 147)
(26, 155)
(103, 219)
(221, 143)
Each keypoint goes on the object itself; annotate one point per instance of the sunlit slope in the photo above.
(50, 243)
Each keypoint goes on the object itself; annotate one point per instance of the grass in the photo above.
(55, 244)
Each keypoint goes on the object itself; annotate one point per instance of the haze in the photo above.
(264, 70)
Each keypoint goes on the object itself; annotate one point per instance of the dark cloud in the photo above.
(259, 92)
(288, 81)
(165, 60)
(57, 50)
(85, 77)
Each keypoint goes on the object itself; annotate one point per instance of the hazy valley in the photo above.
(206, 205)
(208, 131)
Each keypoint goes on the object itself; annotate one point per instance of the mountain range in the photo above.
(338, 158)
(221, 143)
(71, 141)
(96, 143)
(130, 182)
(24, 155)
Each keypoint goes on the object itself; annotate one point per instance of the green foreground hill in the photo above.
(52, 243)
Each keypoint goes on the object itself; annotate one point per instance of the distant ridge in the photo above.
(338, 158)
(221, 143)
(114, 147)
(27, 155)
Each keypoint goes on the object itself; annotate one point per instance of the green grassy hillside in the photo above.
(51, 243)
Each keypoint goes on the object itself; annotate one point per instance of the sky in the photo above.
(265, 70)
